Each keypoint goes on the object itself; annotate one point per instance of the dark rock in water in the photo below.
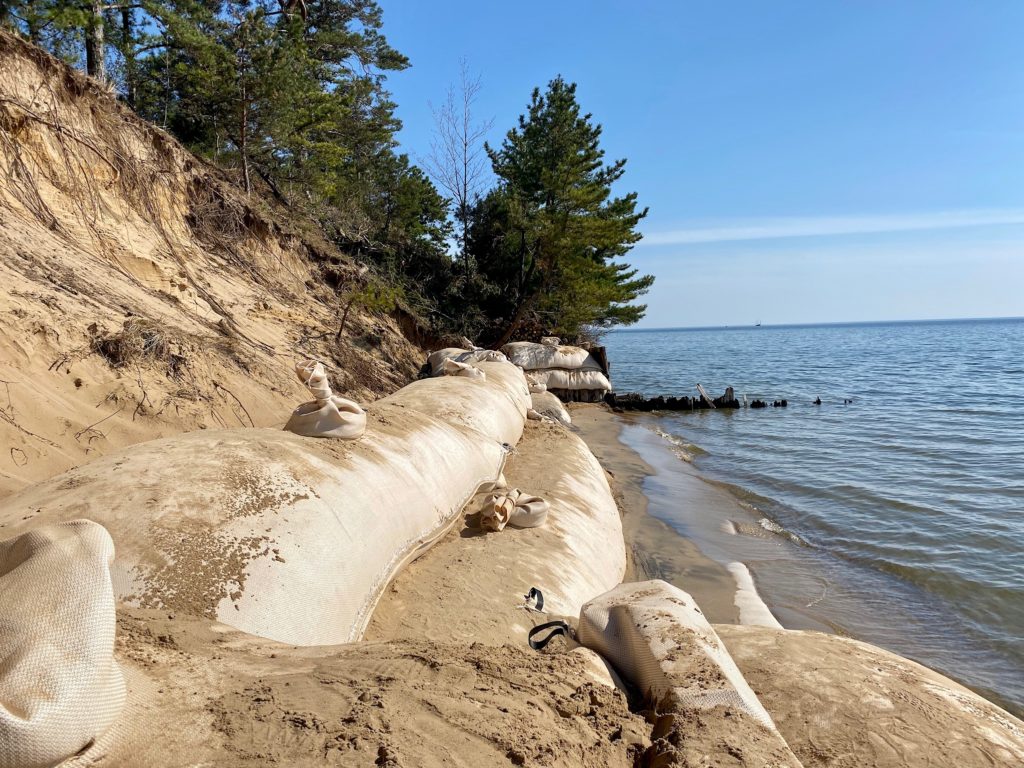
(634, 401)
(759, 404)
(728, 400)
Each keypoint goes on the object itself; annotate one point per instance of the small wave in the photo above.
(682, 449)
(773, 527)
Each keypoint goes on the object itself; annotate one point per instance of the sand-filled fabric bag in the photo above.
(657, 638)
(437, 359)
(328, 415)
(832, 695)
(282, 536)
(515, 508)
(60, 687)
(546, 404)
(455, 368)
(498, 408)
(536, 357)
(557, 378)
(482, 356)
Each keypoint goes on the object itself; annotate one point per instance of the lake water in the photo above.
(902, 512)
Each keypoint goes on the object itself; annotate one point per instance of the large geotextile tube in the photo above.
(558, 378)
(534, 357)
(657, 638)
(287, 537)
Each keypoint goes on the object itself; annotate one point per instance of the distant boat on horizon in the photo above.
(757, 324)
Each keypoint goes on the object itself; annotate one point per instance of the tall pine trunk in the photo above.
(130, 77)
(243, 140)
(94, 43)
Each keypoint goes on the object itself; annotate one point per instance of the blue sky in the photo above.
(802, 161)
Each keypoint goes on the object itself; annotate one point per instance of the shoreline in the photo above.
(689, 526)
(655, 550)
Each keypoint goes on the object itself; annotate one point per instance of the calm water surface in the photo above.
(908, 502)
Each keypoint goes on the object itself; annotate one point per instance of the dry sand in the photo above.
(202, 694)
(471, 586)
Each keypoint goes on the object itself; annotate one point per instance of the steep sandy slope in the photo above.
(141, 293)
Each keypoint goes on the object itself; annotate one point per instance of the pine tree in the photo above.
(550, 234)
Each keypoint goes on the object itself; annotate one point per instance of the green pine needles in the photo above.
(550, 233)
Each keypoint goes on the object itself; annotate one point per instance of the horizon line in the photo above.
(746, 326)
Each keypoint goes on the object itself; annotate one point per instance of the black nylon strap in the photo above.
(557, 628)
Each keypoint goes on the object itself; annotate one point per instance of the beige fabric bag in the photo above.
(538, 357)
(482, 356)
(436, 359)
(455, 368)
(535, 386)
(556, 378)
(60, 687)
(546, 404)
(329, 415)
(515, 508)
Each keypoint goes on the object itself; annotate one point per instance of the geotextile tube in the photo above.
(455, 368)
(282, 536)
(535, 357)
(60, 687)
(583, 378)
(437, 360)
(657, 638)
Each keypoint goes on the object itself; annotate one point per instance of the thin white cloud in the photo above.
(823, 226)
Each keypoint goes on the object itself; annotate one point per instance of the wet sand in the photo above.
(656, 551)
